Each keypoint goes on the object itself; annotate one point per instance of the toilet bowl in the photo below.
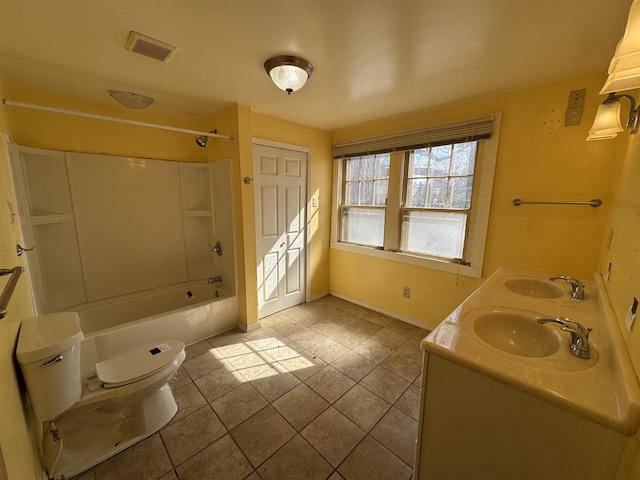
(89, 419)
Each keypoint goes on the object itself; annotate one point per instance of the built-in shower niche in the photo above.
(104, 226)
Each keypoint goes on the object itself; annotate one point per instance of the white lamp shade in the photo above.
(607, 123)
(624, 69)
(288, 77)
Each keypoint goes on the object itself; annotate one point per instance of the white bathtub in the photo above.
(188, 312)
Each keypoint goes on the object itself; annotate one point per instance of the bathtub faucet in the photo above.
(213, 280)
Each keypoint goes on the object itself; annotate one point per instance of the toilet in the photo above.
(86, 420)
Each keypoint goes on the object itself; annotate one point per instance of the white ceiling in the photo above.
(372, 58)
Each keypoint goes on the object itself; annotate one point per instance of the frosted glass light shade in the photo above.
(624, 69)
(288, 77)
(289, 73)
(607, 123)
(130, 99)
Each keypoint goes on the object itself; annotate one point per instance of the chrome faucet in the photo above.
(213, 280)
(577, 287)
(579, 334)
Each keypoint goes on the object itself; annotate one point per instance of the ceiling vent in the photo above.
(149, 47)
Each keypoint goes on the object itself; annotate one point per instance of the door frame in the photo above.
(307, 241)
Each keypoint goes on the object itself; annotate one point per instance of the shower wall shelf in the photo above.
(49, 219)
(596, 202)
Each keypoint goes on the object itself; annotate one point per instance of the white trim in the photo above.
(298, 148)
(388, 313)
(409, 259)
(286, 146)
(478, 228)
(307, 237)
(319, 296)
(249, 328)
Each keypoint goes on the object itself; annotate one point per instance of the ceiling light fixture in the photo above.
(131, 100)
(289, 73)
(607, 123)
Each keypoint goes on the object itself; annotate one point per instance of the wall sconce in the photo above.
(607, 123)
(624, 69)
(289, 73)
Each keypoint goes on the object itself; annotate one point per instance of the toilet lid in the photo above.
(138, 362)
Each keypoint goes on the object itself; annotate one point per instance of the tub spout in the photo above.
(213, 280)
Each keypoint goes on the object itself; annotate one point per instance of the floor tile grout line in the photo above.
(330, 404)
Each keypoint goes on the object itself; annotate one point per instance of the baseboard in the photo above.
(249, 328)
(319, 296)
(389, 313)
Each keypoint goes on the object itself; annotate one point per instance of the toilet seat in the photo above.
(137, 363)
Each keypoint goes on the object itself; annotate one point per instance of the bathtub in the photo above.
(188, 312)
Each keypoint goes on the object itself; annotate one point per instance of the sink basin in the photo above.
(516, 333)
(533, 287)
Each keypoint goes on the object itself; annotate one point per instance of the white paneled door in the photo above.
(280, 178)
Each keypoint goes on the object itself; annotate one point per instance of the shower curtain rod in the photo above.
(109, 119)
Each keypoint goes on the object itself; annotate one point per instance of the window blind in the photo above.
(459, 132)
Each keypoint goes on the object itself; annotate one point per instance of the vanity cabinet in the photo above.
(493, 407)
(474, 427)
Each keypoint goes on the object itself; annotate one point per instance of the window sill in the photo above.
(401, 257)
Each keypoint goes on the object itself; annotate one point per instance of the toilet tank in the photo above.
(48, 352)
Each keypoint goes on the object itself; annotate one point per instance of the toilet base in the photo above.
(92, 436)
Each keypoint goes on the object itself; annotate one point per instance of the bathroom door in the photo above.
(280, 178)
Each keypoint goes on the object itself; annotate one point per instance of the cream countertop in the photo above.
(603, 388)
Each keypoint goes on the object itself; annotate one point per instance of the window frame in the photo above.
(344, 206)
(477, 224)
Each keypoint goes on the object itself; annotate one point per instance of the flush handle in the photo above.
(57, 359)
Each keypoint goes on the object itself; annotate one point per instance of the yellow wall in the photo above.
(245, 126)
(320, 186)
(19, 457)
(531, 164)
(55, 131)
(624, 254)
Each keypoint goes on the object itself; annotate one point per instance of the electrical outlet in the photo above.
(406, 292)
(574, 108)
(573, 117)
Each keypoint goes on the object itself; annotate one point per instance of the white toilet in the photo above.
(87, 420)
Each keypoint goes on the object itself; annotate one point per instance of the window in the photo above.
(366, 182)
(438, 188)
(418, 197)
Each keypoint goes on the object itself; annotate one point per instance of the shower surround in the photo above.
(105, 227)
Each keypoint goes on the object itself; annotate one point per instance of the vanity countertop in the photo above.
(603, 388)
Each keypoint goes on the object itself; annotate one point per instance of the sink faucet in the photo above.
(579, 334)
(577, 287)
(213, 280)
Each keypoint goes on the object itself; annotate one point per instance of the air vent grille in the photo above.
(149, 47)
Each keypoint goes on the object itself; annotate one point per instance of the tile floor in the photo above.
(324, 390)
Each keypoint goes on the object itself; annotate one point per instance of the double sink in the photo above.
(515, 331)
(511, 329)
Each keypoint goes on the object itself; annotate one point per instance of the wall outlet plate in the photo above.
(406, 292)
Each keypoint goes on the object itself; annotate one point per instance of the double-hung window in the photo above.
(418, 197)
(366, 183)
